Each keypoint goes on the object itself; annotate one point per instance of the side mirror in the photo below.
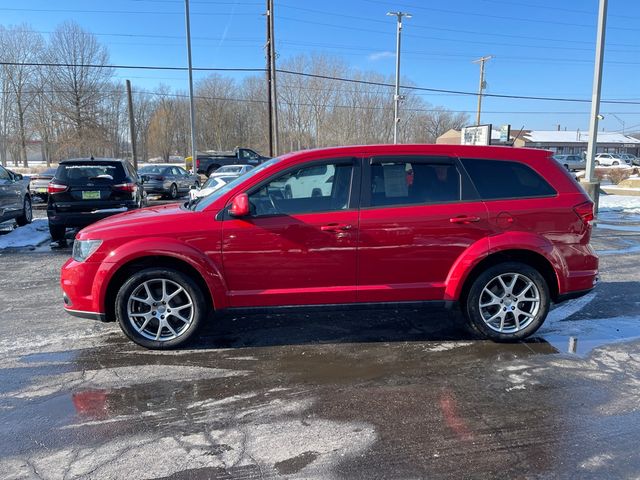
(240, 206)
(17, 177)
(143, 178)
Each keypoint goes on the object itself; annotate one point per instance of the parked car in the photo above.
(501, 232)
(227, 170)
(86, 190)
(207, 163)
(571, 162)
(610, 159)
(40, 181)
(15, 199)
(214, 183)
(630, 159)
(169, 181)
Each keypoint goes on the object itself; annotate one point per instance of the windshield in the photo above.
(203, 202)
(229, 169)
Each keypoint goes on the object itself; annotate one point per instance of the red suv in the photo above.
(500, 231)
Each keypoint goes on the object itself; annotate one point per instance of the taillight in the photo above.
(126, 187)
(56, 188)
(197, 163)
(585, 211)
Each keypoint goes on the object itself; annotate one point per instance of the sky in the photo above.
(540, 47)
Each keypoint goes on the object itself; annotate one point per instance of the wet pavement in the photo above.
(375, 394)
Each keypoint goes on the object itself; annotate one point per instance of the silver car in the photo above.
(571, 162)
(15, 199)
(170, 181)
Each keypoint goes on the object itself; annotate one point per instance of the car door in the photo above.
(418, 215)
(5, 195)
(15, 189)
(296, 250)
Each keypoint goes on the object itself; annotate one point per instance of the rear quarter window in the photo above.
(496, 179)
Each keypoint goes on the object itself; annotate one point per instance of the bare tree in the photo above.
(80, 83)
(22, 49)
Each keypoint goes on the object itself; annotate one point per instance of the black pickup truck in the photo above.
(207, 163)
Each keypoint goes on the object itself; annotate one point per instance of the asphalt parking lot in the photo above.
(376, 394)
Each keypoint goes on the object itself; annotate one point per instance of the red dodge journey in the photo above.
(502, 232)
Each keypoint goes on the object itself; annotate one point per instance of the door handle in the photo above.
(464, 219)
(335, 227)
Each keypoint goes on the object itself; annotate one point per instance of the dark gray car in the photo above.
(40, 182)
(170, 181)
(15, 200)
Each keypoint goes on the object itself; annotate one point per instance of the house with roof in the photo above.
(559, 141)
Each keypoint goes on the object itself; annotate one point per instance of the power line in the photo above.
(326, 77)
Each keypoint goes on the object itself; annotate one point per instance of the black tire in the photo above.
(596, 163)
(57, 232)
(212, 169)
(27, 212)
(173, 191)
(616, 163)
(197, 312)
(567, 167)
(472, 310)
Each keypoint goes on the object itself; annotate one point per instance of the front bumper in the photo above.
(81, 283)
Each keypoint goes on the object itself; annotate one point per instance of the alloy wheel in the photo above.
(160, 309)
(509, 302)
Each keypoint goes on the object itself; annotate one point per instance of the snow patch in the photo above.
(445, 346)
(30, 235)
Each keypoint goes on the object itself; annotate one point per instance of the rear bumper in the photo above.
(100, 317)
(82, 219)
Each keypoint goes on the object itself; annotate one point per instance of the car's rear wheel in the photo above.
(507, 302)
(160, 308)
(616, 163)
(173, 191)
(57, 232)
(596, 162)
(27, 212)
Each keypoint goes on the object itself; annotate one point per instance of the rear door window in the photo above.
(497, 179)
(411, 181)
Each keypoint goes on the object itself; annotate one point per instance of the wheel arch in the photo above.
(123, 271)
(529, 257)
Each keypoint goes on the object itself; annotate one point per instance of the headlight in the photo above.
(82, 249)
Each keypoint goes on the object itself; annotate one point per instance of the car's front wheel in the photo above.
(27, 212)
(507, 302)
(160, 308)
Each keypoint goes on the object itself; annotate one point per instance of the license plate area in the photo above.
(91, 195)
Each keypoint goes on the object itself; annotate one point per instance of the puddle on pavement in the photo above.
(590, 334)
(49, 357)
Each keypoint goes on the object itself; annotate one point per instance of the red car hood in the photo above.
(138, 222)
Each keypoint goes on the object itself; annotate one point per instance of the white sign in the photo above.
(476, 135)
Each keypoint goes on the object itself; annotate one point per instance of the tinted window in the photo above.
(317, 188)
(90, 171)
(405, 182)
(503, 179)
(4, 175)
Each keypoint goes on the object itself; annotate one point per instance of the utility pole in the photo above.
(132, 127)
(396, 96)
(272, 68)
(482, 85)
(593, 187)
(269, 98)
(192, 110)
(621, 121)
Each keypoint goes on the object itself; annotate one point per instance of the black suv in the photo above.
(86, 190)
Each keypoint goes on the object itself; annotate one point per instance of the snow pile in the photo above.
(619, 203)
(30, 235)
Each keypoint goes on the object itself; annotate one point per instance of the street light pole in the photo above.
(590, 185)
(481, 87)
(396, 97)
(192, 110)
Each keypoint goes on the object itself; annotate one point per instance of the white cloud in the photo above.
(380, 55)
